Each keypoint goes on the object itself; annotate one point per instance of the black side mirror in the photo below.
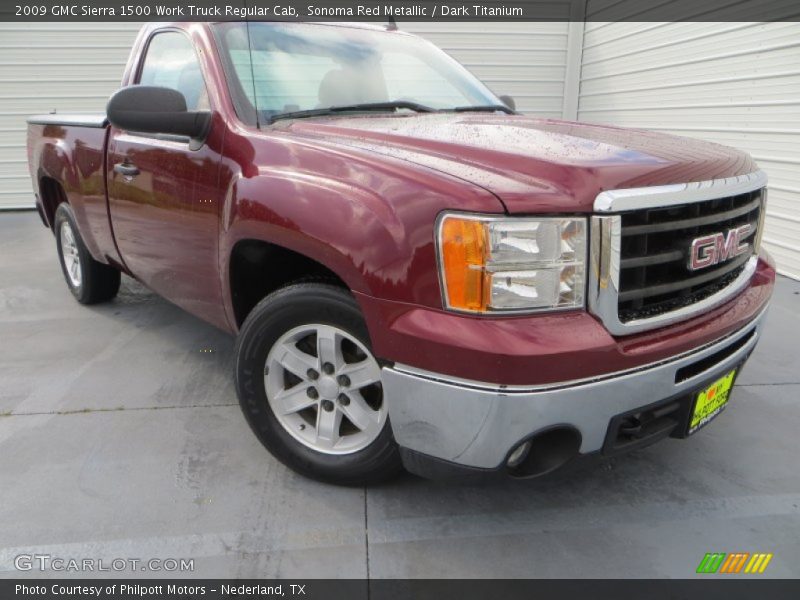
(150, 109)
(509, 102)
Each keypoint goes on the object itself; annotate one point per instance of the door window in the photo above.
(172, 62)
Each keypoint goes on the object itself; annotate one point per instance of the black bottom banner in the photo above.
(386, 589)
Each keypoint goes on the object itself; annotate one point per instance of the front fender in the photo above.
(369, 219)
(346, 228)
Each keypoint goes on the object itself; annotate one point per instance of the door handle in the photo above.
(127, 169)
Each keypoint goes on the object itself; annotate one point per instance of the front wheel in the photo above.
(310, 386)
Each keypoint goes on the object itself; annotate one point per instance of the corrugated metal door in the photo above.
(734, 83)
(72, 67)
(75, 67)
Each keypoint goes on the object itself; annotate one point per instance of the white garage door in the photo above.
(69, 67)
(734, 83)
(75, 68)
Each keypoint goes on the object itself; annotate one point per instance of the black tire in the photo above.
(98, 282)
(294, 306)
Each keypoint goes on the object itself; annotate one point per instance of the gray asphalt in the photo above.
(121, 437)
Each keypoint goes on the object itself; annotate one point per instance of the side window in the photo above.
(171, 62)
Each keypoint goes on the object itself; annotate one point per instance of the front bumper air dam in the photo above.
(446, 425)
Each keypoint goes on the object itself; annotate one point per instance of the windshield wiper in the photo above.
(483, 108)
(370, 106)
(386, 106)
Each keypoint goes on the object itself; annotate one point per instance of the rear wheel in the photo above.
(310, 386)
(89, 281)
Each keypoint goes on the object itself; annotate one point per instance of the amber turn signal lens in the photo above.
(463, 250)
(497, 264)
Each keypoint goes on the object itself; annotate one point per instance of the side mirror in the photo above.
(150, 109)
(509, 102)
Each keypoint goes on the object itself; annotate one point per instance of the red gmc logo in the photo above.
(717, 247)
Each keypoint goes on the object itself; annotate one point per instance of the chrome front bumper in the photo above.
(476, 425)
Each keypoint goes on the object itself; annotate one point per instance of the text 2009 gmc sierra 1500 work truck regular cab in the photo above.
(418, 276)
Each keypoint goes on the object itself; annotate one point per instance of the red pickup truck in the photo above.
(418, 276)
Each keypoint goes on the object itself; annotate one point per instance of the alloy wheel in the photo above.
(324, 387)
(69, 252)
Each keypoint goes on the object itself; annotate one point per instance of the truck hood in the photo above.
(531, 165)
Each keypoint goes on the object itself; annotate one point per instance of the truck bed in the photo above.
(66, 155)
(96, 120)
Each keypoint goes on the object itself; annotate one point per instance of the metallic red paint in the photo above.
(543, 349)
(361, 196)
(533, 165)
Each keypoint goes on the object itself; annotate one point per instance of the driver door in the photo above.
(162, 191)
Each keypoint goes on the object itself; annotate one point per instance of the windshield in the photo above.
(301, 67)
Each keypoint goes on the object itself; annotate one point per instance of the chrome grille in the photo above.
(640, 250)
(654, 254)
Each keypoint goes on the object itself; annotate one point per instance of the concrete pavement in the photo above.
(121, 437)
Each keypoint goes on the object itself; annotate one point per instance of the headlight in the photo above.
(491, 264)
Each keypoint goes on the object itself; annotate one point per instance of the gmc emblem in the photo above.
(717, 247)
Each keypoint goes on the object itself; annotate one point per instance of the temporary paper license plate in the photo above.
(711, 401)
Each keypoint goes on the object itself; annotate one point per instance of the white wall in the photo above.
(734, 83)
(43, 66)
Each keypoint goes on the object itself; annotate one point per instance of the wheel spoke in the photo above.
(296, 361)
(329, 346)
(359, 412)
(328, 427)
(70, 256)
(363, 373)
(295, 399)
(328, 385)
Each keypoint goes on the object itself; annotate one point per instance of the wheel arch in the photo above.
(256, 268)
(51, 194)
(293, 226)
